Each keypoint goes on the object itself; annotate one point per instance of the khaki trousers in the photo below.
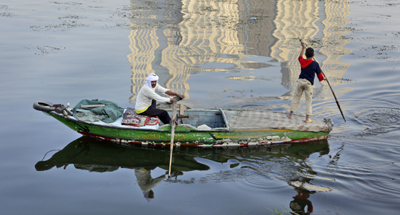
(303, 86)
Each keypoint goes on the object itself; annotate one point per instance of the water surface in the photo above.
(218, 55)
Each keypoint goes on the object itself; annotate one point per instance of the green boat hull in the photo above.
(189, 137)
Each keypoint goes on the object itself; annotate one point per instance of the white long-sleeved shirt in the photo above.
(146, 95)
(145, 181)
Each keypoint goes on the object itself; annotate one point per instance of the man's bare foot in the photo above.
(308, 120)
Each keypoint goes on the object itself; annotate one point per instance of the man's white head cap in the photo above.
(150, 78)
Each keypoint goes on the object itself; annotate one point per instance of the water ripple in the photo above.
(378, 120)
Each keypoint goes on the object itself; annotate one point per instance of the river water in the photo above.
(223, 54)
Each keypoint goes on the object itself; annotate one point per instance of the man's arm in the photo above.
(172, 93)
(320, 76)
(168, 92)
(153, 95)
(303, 47)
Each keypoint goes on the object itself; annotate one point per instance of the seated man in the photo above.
(147, 97)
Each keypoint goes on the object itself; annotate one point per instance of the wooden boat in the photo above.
(203, 128)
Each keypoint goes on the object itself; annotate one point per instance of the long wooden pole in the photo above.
(172, 136)
(333, 92)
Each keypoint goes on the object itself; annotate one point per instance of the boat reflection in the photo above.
(96, 155)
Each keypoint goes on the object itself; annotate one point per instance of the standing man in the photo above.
(306, 81)
(147, 97)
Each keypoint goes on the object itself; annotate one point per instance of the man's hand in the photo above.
(303, 45)
(173, 99)
(171, 93)
(323, 83)
(181, 96)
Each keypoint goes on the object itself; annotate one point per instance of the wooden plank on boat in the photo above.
(92, 106)
(258, 120)
(182, 109)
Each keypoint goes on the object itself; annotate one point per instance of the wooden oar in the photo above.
(172, 136)
(333, 92)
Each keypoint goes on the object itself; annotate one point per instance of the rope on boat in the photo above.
(48, 152)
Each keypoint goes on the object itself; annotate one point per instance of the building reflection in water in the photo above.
(173, 38)
(310, 20)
